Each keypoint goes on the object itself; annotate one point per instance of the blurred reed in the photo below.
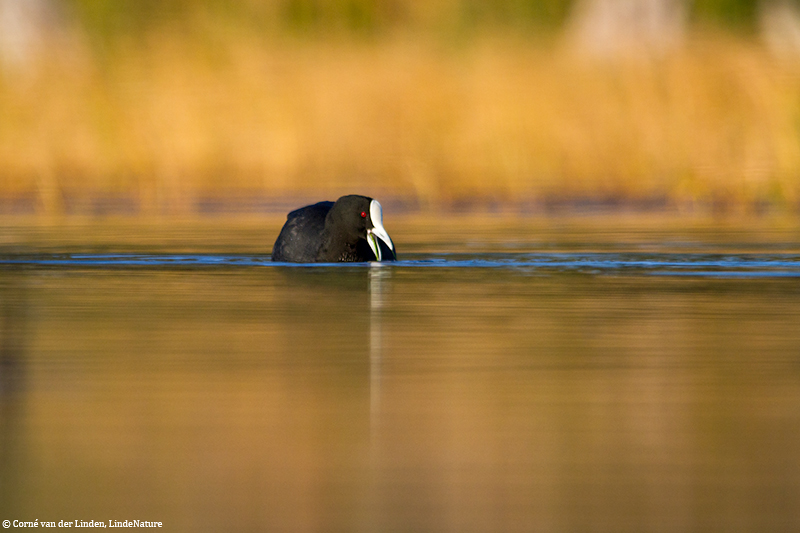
(202, 106)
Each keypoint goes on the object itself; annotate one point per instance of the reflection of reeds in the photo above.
(495, 119)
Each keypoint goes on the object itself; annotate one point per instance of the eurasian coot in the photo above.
(350, 229)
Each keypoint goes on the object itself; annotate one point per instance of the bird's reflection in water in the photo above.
(336, 295)
(340, 314)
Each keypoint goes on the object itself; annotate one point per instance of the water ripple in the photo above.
(665, 264)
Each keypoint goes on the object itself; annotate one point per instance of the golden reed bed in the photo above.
(166, 119)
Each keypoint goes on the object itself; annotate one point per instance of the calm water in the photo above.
(504, 376)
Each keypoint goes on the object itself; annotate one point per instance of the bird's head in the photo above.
(362, 218)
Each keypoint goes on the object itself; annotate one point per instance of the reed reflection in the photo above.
(13, 340)
(400, 397)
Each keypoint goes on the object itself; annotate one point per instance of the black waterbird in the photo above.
(350, 229)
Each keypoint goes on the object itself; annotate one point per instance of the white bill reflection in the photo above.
(379, 275)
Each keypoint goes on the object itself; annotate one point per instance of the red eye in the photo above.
(363, 214)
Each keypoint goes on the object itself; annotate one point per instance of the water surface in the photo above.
(582, 376)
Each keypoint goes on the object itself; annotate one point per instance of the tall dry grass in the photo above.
(165, 121)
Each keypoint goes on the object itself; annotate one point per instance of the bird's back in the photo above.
(301, 236)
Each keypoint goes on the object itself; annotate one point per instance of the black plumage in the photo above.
(350, 229)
